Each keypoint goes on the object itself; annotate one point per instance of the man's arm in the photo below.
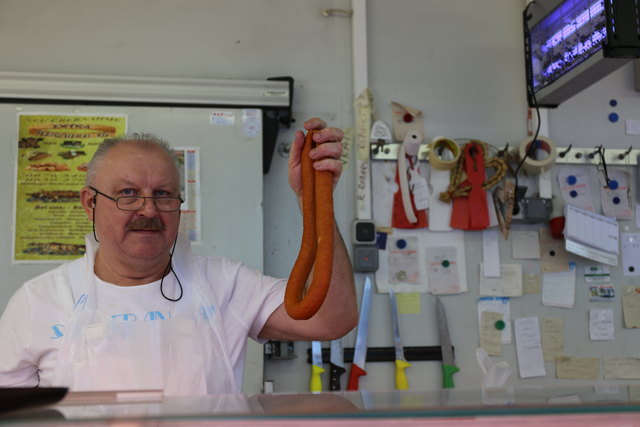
(339, 312)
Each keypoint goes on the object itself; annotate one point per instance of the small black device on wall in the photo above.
(365, 251)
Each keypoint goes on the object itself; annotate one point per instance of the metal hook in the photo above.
(596, 151)
(502, 152)
(625, 154)
(564, 153)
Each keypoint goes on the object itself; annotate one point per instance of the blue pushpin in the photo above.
(613, 102)
(616, 200)
(613, 117)
(571, 180)
(401, 243)
(573, 193)
(613, 184)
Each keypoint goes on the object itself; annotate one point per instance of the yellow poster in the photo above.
(53, 152)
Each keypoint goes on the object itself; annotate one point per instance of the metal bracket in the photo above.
(566, 155)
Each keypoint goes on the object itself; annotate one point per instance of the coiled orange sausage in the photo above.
(316, 250)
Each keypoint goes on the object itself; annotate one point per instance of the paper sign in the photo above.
(621, 368)
(631, 306)
(497, 305)
(531, 284)
(577, 368)
(525, 244)
(442, 270)
(509, 284)
(529, 348)
(559, 289)
(491, 252)
(630, 243)
(575, 188)
(552, 338)
(601, 325)
(490, 335)
(408, 302)
(553, 255)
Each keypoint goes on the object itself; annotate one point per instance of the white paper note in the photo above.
(630, 243)
(509, 284)
(574, 187)
(559, 289)
(491, 252)
(497, 305)
(529, 347)
(525, 244)
(601, 327)
(442, 270)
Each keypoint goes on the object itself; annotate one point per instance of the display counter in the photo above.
(613, 405)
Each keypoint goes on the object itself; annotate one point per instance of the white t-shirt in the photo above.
(32, 327)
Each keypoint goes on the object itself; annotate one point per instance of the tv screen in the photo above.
(569, 45)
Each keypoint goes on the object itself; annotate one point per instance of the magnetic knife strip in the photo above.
(386, 354)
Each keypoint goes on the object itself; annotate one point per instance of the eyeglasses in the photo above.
(134, 203)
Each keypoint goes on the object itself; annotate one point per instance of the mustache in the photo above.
(144, 223)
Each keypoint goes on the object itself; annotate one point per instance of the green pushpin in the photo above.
(445, 263)
(500, 325)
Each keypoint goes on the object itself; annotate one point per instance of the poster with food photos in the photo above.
(53, 153)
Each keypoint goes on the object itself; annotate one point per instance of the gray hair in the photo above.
(147, 140)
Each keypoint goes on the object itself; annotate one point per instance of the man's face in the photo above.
(145, 235)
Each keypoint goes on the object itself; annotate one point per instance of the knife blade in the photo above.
(448, 365)
(401, 363)
(360, 352)
(316, 367)
(336, 364)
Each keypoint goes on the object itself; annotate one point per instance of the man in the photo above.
(139, 311)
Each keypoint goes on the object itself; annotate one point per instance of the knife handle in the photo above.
(447, 375)
(316, 382)
(354, 376)
(335, 372)
(401, 378)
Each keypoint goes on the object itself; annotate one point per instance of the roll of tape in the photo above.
(535, 166)
(446, 143)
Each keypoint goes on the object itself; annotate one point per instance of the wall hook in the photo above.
(283, 149)
(564, 153)
(625, 154)
(594, 152)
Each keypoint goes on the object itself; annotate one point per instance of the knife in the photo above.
(316, 367)
(336, 364)
(448, 365)
(360, 352)
(401, 363)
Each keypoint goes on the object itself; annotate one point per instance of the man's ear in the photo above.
(88, 201)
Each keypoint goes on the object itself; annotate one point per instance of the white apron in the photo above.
(184, 355)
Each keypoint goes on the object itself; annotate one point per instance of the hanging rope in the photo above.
(455, 188)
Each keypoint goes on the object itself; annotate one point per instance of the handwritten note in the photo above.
(601, 326)
(497, 305)
(529, 347)
(631, 306)
(552, 338)
(509, 284)
(621, 368)
(559, 288)
(578, 368)
(490, 335)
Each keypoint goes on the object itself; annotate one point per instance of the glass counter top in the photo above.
(152, 408)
